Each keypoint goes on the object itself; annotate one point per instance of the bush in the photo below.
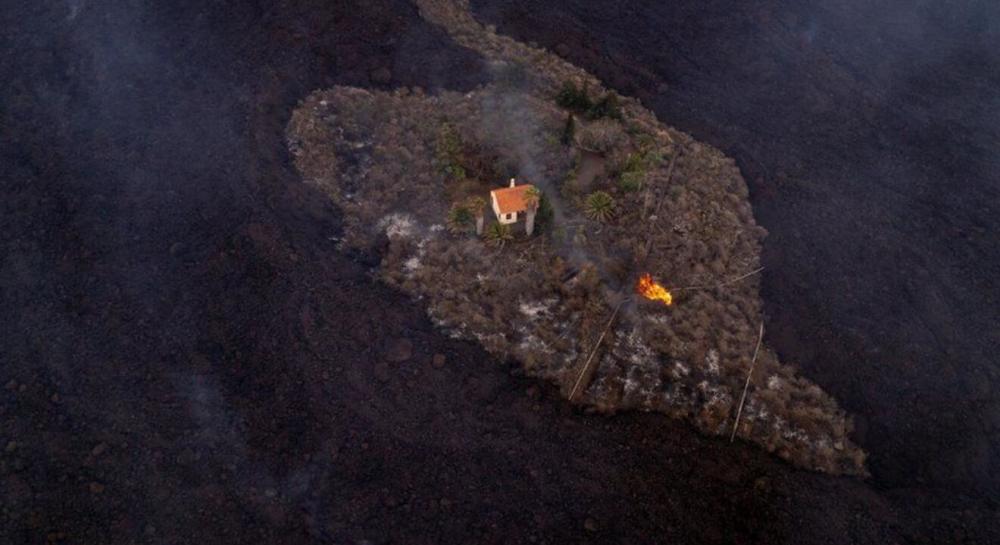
(460, 218)
(476, 205)
(608, 106)
(498, 235)
(545, 212)
(600, 206)
(574, 98)
(577, 99)
(631, 181)
(449, 152)
(632, 172)
(602, 136)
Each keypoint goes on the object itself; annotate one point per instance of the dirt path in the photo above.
(188, 359)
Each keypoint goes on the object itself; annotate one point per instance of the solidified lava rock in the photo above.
(399, 350)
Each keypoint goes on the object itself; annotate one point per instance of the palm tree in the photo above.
(478, 207)
(599, 206)
(532, 198)
(498, 235)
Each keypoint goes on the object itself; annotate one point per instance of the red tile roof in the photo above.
(512, 199)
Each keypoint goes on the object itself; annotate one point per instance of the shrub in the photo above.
(608, 106)
(599, 206)
(574, 98)
(449, 152)
(577, 99)
(545, 212)
(460, 218)
(602, 136)
(632, 172)
(631, 181)
(498, 235)
(476, 205)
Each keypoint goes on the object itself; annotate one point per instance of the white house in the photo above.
(509, 202)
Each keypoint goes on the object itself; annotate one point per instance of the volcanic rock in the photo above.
(439, 360)
(382, 76)
(399, 350)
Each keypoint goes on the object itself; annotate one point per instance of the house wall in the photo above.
(502, 218)
(495, 204)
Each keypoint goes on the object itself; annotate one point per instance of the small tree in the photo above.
(498, 235)
(599, 206)
(532, 198)
(478, 207)
(460, 218)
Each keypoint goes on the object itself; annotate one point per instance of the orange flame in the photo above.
(650, 289)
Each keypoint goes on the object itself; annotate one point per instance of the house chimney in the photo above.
(512, 184)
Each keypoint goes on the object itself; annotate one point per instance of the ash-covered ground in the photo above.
(186, 356)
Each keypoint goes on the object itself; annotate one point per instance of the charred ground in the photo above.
(187, 356)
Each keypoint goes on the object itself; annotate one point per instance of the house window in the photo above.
(509, 216)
